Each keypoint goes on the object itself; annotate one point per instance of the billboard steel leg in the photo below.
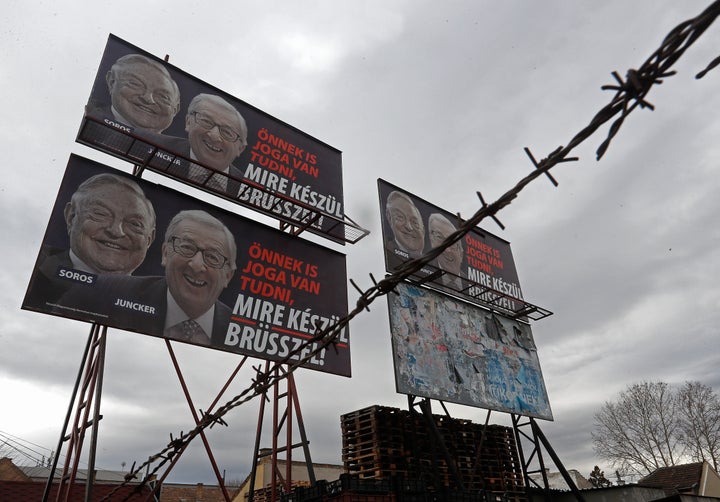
(211, 407)
(537, 439)
(89, 383)
(284, 403)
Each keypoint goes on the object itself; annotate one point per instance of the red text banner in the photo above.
(479, 267)
(138, 256)
(147, 111)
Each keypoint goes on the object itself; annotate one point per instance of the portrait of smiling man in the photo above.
(199, 256)
(407, 227)
(216, 131)
(110, 225)
(143, 94)
(216, 136)
(451, 259)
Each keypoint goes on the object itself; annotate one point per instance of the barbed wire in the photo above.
(630, 94)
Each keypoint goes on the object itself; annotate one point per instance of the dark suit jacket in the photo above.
(46, 285)
(395, 257)
(177, 162)
(101, 111)
(136, 304)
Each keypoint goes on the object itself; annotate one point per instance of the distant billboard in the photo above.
(450, 350)
(479, 267)
(146, 111)
(138, 256)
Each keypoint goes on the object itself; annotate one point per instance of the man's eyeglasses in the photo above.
(188, 249)
(206, 122)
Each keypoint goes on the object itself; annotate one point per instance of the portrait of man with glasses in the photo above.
(216, 136)
(199, 256)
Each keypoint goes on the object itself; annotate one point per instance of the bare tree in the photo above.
(699, 417)
(640, 431)
(597, 478)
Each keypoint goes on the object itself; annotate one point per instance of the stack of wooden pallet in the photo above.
(382, 442)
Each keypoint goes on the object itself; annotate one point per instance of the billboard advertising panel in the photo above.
(146, 111)
(138, 256)
(479, 267)
(450, 350)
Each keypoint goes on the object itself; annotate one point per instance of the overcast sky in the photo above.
(439, 98)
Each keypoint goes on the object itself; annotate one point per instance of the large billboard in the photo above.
(479, 267)
(450, 350)
(146, 111)
(138, 256)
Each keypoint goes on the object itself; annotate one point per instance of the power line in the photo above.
(22, 447)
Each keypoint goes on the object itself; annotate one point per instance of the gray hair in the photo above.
(221, 102)
(204, 218)
(131, 59)
(395, 195)
(440, 219)
(102, 179)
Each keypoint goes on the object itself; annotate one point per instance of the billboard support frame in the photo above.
(537, 439)
(158, 483)
(89, 381)
(188, 398)
(292, 403)
(425, 407)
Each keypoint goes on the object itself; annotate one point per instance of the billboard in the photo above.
(146, 111)
(138, 256)
(450, 350)
(479, 267)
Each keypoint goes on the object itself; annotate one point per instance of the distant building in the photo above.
(299, 476)
(556, 481)
(178, 492)
(698, 478)
(28, 484)
(623, 493)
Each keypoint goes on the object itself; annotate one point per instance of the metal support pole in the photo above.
(284, 404)
(90, 482)
(301, 428)
(90, 386)
(258, 434)
(437, 438)
(61, 440)
(537, 439)
(208, 449)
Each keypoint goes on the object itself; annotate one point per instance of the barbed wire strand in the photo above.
(629, 95)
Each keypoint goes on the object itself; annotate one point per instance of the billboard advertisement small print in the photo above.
(146, 111)
(453, 351)
(479, 267)
(138, 256)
